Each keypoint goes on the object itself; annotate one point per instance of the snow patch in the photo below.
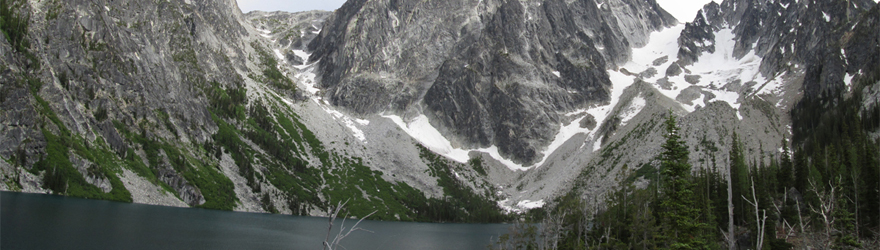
(520, 206)
(264, 33)
(493, 152)
(772, 86)
(280, 57)
(598, 144)
(848, 81)
(619, 82)
(347, 121)
(306, 76)
(634, 108)
(527, 204)
(302, 54)
(420, 129)
(556, 73)
(717, 70)
(566, 132)
(660, 43)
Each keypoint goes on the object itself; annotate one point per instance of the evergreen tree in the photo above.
(785, 177)
(801, 171)
(739, 180)
(680, 213)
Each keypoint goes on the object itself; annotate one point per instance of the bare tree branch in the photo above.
(761, 221)
(334, 213)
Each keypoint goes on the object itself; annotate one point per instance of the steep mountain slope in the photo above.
(491, 75)
(96, 69)
(184, 103)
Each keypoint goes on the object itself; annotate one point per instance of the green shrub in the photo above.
(14, 24)
(228, 103)
(477, 164)
(101, 114)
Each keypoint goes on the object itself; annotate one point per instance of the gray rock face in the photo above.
(783, 33)
(697, 37)
(20, 137)
(91, 173)
(861, 44)
(102, 62)
(485, 72)
(189, 193)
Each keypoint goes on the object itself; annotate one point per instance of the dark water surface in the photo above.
(35, 221)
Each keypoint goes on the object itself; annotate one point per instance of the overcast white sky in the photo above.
(683, 10)
(289, 5)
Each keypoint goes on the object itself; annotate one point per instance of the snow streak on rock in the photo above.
(306, 76)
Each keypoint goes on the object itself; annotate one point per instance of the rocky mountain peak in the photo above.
(782, 33)
(484, 72)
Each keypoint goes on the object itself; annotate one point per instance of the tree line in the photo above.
(821, 196)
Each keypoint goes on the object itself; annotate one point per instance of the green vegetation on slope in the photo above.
(214, 186)
(14, 24)
(285, 143)
(60, 176)
(460, 203)
(271, 74)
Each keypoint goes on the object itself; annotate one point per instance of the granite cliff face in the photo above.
(95, 62)
(484, 72)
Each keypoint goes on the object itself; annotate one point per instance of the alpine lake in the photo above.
(38, 221)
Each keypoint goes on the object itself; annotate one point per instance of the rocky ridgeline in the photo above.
(784, 33)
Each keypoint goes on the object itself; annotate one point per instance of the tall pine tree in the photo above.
(785, 177)
(680, 213)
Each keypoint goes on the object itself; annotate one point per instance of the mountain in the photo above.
(430, 110)
(743, 67)
(182, 103)
(485, 73)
